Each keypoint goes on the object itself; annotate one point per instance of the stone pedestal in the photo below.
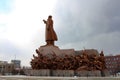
(68, 52)
(105, 73)
(64, 73)
(51, 50)
(41, 72)
(95, 73)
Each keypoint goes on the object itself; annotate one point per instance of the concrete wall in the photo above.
(42, 72)
(88, 73)
(66, 73)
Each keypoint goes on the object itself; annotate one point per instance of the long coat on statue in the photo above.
(50, 34)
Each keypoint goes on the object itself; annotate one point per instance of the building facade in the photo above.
(6, 68)
(113, 64)
(10, 68)
(17, 64)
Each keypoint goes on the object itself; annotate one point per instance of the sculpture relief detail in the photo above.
(69, 62)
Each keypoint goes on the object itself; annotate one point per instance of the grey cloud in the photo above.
(108, 42)
(7, 47)
(82, 21)
(9, 50)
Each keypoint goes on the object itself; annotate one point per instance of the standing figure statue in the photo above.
(50, 35)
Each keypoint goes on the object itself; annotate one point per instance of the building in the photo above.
(113, 64)
(6, 68)
(17, 64)
(10, 68)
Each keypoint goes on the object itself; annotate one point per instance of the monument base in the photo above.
(105, 72)
(49, 50)
(41, 72)
(52, 61)
(65, 73)
(95, 73)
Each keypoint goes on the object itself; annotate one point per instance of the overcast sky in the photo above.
(79, 24)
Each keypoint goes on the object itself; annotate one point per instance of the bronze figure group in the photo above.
(69, 62)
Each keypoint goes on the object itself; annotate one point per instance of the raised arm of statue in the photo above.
(45, 21)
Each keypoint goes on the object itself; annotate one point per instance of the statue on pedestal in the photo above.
(50, 35)
(52, 59)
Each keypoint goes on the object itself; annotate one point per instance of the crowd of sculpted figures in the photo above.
(69, 62)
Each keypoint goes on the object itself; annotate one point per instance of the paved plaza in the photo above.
(56, 78)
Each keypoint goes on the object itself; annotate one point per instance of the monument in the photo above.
(52, 61)
(50, 35)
